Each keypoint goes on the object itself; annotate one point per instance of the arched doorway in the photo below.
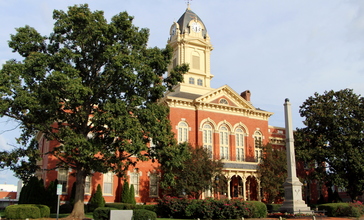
(236, 187)
(251, 188)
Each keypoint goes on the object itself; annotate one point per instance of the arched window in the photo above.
(207, 138)
(191, 80)
(258, 145)
(182, 132)
(224, 143)
(239, 140)
(224, 101)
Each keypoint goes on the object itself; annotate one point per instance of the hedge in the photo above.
(24, 211)
(102, 213)
(260, 209)
(340, 210)
(143, 214)
(171, 207)
(121, 206)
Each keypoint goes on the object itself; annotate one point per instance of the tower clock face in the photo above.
(196, 27)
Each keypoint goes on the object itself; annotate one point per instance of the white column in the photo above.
(228, 192)
(293, 202)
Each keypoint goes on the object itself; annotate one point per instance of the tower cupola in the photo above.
(191, 44)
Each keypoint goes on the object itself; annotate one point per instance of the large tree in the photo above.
(333, 140)
(190, 171)
(272, 171)
(94, 87)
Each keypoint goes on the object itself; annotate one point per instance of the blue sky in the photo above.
(277, 49)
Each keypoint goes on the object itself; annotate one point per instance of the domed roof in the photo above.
(185, 19)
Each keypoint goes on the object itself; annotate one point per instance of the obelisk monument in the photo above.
(293, 202)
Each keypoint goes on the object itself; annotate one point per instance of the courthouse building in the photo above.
(222, 120)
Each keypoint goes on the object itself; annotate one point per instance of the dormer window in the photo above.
(224, 101)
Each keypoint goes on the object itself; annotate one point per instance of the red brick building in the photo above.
(222, 120)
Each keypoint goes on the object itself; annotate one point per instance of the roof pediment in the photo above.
(225, 92)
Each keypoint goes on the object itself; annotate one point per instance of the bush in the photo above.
(341, 209)
(125, 193)
(22, 211)
(273, 207)
(210, 208)
(152, 208)
(45, 211)
(96, 200)
(121, 206)
(260, 209)
(143, 214)
(102, 213)
(132, 195)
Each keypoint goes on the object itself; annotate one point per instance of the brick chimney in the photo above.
(246, 95)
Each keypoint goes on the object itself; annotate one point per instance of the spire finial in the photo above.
(188, 4)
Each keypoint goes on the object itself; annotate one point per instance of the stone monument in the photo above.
(293, 202)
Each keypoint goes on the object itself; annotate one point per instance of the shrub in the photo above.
(121, 206)
(152, 208)
(22, 211)
(32, 192)
(132, 195)
(45, 211)
(273, 207)
(96, 200)
(143, 214)
(340, 209)
(102, 213)
(209, 208)
(51, 197)
(125, 193)
(260, 209)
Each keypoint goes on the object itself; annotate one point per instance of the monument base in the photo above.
(293, 202)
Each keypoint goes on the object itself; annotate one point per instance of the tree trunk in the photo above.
(78, 208)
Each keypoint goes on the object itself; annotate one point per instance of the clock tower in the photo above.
(191, 44)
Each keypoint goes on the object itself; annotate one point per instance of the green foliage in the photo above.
(189, 171)
(51, 197)
(102, 213)
(342, 209)
(152, 208)
(143, 214)
(272, 172)
(333, 139)
(45, 212)
(260, 209)
(121, 206)
(26, 211)
(23, 161)
(89, 76)
(125, 193)
(273, 207)
(132, 195)
(97, 200)
(171, 207)
(33, 192)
